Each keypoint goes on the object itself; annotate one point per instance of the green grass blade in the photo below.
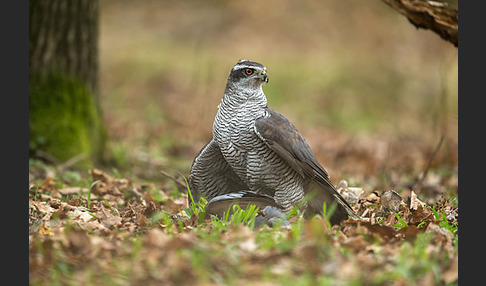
(89, 193)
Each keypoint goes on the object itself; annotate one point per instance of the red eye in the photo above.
(249, 71)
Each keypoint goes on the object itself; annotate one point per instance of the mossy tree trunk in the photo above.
(64, 110)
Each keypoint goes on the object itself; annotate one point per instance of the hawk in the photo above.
(257, 149)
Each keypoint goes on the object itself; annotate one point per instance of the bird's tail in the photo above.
(326, 194)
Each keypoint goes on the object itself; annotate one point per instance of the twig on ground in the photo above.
(419, 182)
(70, 162)
(181, 185)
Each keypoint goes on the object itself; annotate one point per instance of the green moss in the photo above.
(63, 118)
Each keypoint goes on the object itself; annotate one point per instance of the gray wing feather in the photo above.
(220, 204)
(211, 175)
(282, 137)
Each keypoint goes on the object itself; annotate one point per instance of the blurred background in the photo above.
(371, 94)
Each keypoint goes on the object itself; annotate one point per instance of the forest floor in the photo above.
(90, 227)
(375, 98)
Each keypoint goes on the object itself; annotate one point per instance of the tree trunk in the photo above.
(63, 36)
(64, 108)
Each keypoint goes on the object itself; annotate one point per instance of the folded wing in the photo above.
(283, 138)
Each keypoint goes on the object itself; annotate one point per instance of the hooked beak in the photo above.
(264, 76)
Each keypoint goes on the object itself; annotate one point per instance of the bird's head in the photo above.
(247, 75)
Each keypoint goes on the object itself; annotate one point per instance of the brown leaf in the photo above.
(40, 210)
(390, 220)
(82, 215)
(74, 190)
(350, 194)
(172, 206)
(141, 220)
(391, 200)
(353, 227)
(151, 206)
(385, 232)
(108, 218)
(421, 214)
(49, 184)
(100, 189)
(415, 203)
(149, 199)
(409, 232)
(100, 175)
(78, 201)
(192, 222)
(108, 185)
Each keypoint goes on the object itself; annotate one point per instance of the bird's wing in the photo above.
(219, 205)
(282, 137)
(211, 175)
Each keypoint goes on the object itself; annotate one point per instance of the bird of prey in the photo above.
(256, 148)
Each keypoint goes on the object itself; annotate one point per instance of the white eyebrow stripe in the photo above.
(238, 66)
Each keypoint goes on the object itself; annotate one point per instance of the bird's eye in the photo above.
(249, 71)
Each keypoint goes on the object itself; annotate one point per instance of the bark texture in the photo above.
(64, 108)
(63, 36)
(438, 17)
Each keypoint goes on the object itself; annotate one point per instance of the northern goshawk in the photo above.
(256, 148)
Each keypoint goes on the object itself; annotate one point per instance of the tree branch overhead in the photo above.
(438, 17)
